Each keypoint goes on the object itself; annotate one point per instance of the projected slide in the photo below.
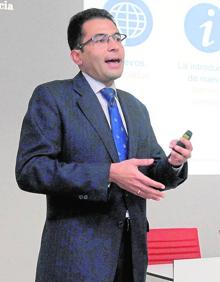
(173, 66)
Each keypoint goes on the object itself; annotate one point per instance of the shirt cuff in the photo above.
(177, 169)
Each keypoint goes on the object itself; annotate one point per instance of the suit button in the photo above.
(85, 197)
(80, 197)
(120, 223)
(126, 195)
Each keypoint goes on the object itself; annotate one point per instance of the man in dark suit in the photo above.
(96, 200)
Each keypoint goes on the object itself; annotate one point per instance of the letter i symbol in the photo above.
(208, 26)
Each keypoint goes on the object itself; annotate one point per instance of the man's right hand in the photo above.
(127, 176)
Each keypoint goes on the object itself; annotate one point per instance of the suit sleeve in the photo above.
(39, 167)
(162, 171)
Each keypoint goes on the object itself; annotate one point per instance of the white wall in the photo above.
(33, 50)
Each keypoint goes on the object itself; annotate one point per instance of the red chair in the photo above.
(168, 244)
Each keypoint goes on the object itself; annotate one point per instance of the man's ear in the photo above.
(76, 56)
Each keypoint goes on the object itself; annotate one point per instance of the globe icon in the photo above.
(132, 19)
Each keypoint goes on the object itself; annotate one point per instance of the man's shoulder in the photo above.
(56, 84)
(58, 90)
(64, 84)
(130, 97)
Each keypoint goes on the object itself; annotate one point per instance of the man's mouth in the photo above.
(114, 61)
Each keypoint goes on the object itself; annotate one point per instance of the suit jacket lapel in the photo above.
(92, 109)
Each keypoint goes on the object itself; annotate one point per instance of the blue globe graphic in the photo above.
(133, 19)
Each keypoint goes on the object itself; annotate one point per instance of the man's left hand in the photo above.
(179, 155)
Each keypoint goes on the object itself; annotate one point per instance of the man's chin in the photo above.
(114, 76)
(108, 81)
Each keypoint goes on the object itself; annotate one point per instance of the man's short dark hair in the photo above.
(75, 33)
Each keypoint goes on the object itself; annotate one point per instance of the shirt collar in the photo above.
(95, 84)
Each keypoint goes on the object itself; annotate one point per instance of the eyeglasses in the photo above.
(103, 38)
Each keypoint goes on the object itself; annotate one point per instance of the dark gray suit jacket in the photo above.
(65, 152)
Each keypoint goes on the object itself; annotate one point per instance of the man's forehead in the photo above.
(99, 25)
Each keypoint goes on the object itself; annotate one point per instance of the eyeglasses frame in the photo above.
(92, 39)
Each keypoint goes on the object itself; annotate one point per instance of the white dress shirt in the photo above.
(96, 87)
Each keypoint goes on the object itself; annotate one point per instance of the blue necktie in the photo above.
(118, 131)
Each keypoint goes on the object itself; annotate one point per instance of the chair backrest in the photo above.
(168, 244)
